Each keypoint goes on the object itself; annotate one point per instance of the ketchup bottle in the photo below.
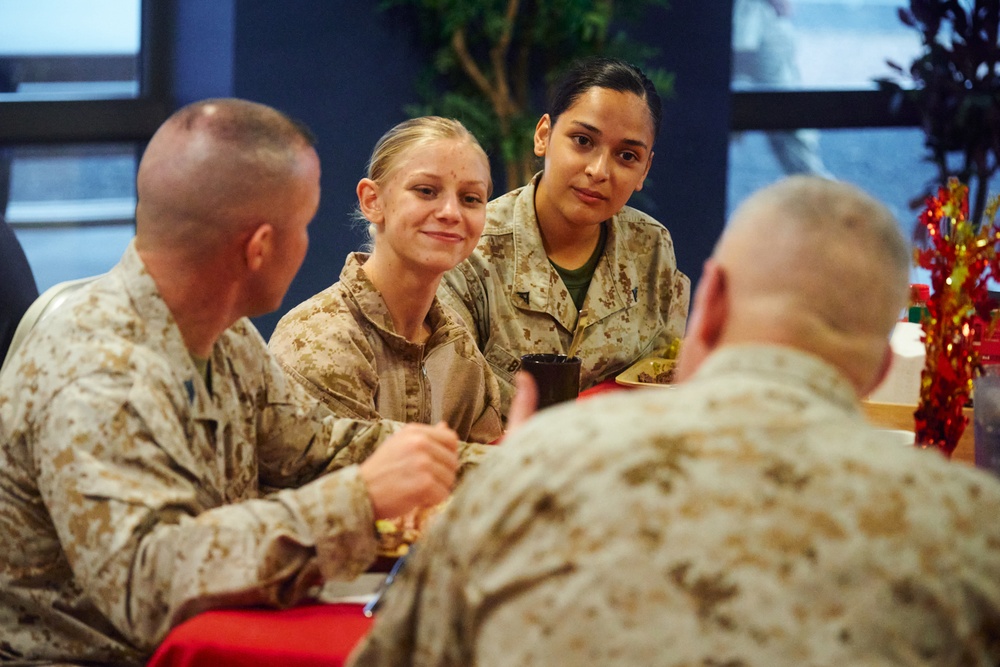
(919, 294)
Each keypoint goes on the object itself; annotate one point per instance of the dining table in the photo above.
(887, 416)
(325, 633)
(308, 635)
(893, 416)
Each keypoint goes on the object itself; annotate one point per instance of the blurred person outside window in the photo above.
(764, 53)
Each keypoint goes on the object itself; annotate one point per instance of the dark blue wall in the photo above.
(689, 167)
(347, 70)
(202, 50)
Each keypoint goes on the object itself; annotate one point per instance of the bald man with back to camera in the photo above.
(749, 516)
(140, 425)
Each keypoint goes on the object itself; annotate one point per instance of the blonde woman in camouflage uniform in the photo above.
(140, 425)
(378, 343)
(563, 257)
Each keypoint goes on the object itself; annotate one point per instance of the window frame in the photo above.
(102, 120)
(820, 109)
(816, 108)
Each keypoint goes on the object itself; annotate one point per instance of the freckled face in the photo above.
(433, 207)
(596, 155)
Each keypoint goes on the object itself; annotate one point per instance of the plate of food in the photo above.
(648, 372)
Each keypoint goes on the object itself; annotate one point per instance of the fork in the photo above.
(376, 601)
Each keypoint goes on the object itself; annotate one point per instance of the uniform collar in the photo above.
(537, 287)
(163, 333)
(373, 307)
(786, 366)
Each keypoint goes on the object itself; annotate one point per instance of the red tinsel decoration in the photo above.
(961, 257)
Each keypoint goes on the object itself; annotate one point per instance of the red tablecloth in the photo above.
(602, 388)
(307, 636)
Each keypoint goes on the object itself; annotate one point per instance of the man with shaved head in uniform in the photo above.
(141, 425)
(748, 516)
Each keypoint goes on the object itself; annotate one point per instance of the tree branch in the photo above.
(520, 77)
(498, 57)
(471, 68)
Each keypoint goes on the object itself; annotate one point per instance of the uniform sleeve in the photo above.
(329, 356)
(289, 419)
(148, 523)
(675, 299)
(479, 556)
(470, 455)
(463, 290)
(488, 427)
(677, 310)
(298, 437)
(427, 599)
(351, 393)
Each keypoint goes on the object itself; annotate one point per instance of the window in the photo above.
(817, 44)
(805, 100)
(81, 90)
(887, 162)
(72, 207)
(65, 49)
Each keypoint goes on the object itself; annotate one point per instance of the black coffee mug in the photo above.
(557, 377)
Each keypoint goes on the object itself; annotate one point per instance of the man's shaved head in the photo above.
(208, 172)
(816, 264)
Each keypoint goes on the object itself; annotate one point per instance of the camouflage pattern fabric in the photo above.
(748, 517)
(132, 498)
(342, 346)
(515, 303)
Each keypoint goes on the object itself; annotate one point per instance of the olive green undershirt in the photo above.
(577, 281)
(204, 367)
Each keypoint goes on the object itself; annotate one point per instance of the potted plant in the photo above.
(489, 61)
(955, 86)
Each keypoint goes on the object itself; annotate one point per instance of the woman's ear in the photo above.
(259, 247)
(369, 202)
(543, 132)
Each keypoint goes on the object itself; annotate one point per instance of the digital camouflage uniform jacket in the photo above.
(515, 303)
(746, 517)
(130, 497)
(342, 346)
